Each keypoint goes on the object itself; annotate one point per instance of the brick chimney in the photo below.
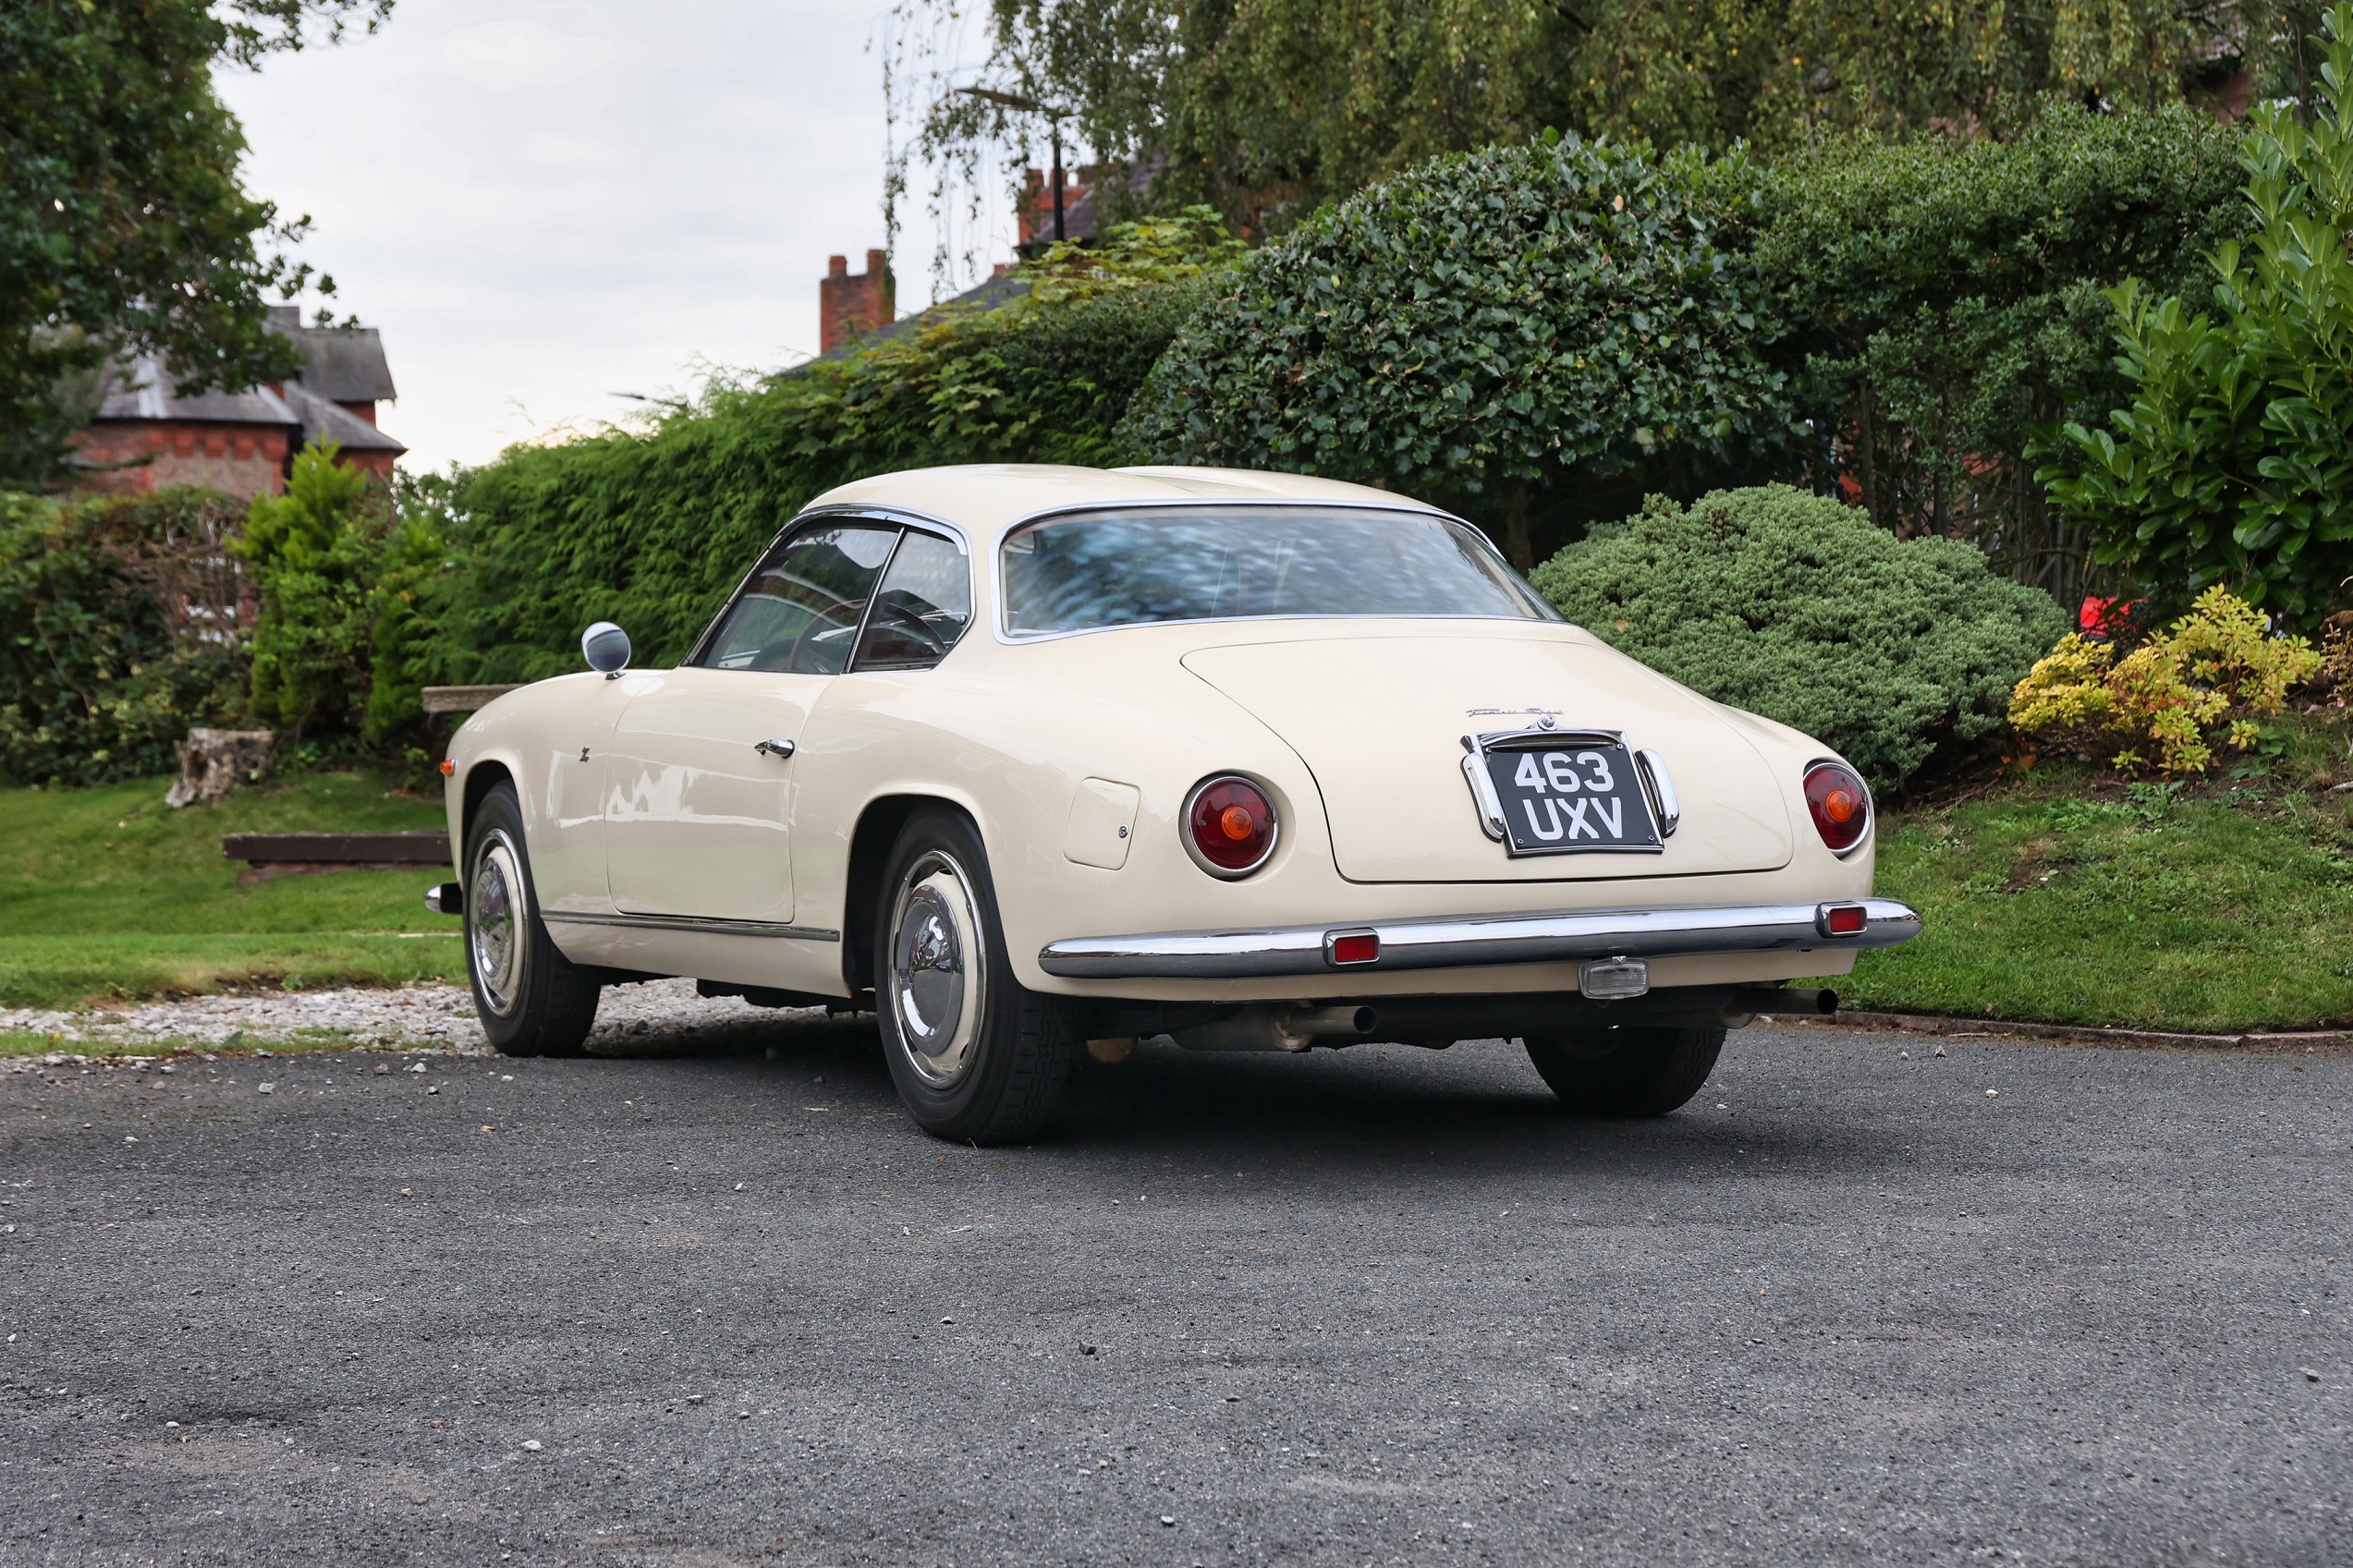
(852, 305)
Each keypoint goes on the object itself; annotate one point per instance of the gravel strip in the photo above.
(428, 1017)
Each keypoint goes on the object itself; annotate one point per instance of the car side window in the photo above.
(799, 612)
(922, 607)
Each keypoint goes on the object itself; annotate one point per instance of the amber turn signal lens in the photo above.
(1838, 803)
(448, 768)
(1229, 826)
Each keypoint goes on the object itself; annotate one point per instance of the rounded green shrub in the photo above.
(1797, 607)
(1509, 331)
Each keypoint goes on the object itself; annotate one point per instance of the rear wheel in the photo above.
(1626, 1072)
(976, 1056)
(532, 1001)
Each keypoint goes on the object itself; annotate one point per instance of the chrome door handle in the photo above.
(775, 748)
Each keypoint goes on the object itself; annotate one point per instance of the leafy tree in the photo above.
(122, 630)
(1514, 330)
(1269, 108)
(1795, 606)
(2234, 463)
(122, 223)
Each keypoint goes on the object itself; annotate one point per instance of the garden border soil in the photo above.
(2299, 1042)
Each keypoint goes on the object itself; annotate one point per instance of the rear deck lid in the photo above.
(1379, 720)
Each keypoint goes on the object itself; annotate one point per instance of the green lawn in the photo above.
(105, 892)
(2229, 909)
(2063, 898)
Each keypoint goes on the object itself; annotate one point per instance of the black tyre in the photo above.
(977, 1057)
(1626, 1072)
(532, 1001)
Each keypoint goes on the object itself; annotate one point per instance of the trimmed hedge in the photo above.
(1798, 607)
(1948, 296)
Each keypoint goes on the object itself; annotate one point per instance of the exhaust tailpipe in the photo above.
(1265, 1028)
(1780, 1001)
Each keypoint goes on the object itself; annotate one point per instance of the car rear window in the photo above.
(1141, 565)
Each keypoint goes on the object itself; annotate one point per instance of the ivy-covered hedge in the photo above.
(1526, 333)
(650, 528)
(121, 624)
(1797, 607)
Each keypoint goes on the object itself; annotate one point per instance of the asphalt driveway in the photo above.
(705, 1304)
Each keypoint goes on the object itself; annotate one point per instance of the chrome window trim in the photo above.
(1551, 616)
(867, 616)
(866, 611)
(903, 517)
(708, 925)
(1473, 941)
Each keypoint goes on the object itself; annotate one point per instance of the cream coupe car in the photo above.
(1028, 759)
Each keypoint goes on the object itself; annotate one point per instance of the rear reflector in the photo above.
(1842, 920)
(1356, 947)
(448, 767)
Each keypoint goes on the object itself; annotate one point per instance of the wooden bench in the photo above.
(279, 855)
(462, 698)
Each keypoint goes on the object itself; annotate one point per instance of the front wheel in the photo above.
(977, 1057)
(1626, 1072)
(532, 1001)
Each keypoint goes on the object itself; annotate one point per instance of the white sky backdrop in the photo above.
(543, 202)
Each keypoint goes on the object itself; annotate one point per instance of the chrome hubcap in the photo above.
(938, 968)
(494, 922)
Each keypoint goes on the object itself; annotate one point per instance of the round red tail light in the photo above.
(1839, 802)
(1229, 826)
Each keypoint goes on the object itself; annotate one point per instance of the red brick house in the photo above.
(147, 437)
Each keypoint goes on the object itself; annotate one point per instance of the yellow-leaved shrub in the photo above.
(2217, 669)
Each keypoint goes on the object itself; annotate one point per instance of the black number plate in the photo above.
(1576, 796)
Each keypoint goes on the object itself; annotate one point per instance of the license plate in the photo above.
(1580, 792)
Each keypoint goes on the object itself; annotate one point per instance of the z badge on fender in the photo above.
(1560, 792)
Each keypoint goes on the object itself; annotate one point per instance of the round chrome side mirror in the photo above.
(607, 648)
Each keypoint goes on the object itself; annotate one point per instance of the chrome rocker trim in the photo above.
(1457, 942)
(708, 924)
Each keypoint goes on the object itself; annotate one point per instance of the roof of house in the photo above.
(345, 364)
(142, 388)
(322, 419)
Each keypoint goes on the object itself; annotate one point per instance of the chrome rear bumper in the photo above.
(1457, 942)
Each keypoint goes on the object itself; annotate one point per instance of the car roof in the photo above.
(985, 499)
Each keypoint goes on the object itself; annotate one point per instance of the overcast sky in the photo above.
(544, 203)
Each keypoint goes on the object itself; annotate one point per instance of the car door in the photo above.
(700, 775)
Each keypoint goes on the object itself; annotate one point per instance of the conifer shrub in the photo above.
(1798, 607)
